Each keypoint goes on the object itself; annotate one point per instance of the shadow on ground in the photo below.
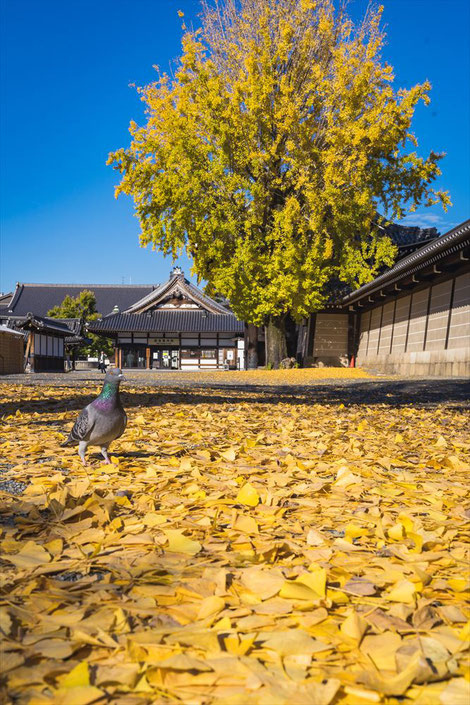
(390, 392)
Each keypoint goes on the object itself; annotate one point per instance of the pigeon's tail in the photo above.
(68, 442)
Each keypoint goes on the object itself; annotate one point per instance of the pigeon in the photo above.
(102, 421)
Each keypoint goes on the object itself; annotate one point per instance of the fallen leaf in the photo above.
(179, 543)
(248, 496)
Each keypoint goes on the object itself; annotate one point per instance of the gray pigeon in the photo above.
(102, 421)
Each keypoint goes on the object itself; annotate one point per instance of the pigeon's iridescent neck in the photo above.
(109, 390)
(108, 397)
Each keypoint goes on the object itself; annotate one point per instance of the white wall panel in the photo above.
(331, 335)
(459, 332)
(400, 327)
(364, 334)
(374, 332)
(419, 308)
(386, 332)
(438, 316)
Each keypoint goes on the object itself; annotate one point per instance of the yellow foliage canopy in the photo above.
(271, 151)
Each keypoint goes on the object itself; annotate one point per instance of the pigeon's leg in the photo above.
(104, 453)
(82, 446)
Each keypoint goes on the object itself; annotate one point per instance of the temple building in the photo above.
(175, 326)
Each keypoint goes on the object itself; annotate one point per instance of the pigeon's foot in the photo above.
(104, 453)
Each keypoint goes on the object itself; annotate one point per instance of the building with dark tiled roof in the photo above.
(175, 326)
(45, 343)
(41, 298)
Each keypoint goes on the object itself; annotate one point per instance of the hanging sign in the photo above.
(164, 341)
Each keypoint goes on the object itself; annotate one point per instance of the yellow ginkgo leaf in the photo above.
(80, 695)
(293, 590)
(248, 496)
(403, 591)
(210, 606)
(78, 676)
(315, 580)
(354, 627)
(229, 454)
(396, 532)
(179, 543)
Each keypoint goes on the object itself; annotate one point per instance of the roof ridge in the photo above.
(101, 286)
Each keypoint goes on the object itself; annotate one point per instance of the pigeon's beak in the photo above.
(121, 377)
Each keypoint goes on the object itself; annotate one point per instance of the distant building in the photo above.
(175, 326)
(41, 298)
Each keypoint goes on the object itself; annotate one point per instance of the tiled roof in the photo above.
(168, 321)
(40, 298)
(73, 324)
(44, 325)
(455, 240)
(177, 282)
(409, 236)
(5, 298)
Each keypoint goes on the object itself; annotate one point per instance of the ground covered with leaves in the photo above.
(244, 548)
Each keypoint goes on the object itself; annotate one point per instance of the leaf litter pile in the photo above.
(239, 550)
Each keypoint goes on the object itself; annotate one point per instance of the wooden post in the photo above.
(147, 358)
(28, 348)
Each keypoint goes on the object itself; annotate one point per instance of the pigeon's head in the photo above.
(114, 375)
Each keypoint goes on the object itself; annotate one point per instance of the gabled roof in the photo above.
(74, 326)
(168, 322)
(177, 285)
(44, 325)
(5, 299)
(40, 298)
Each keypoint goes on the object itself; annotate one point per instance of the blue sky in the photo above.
(66, 102)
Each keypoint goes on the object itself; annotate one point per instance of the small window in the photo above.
(208, 354)
(190, 354)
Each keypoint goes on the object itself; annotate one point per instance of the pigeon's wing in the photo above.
(124, 423)
(82, 427)
(121, 426)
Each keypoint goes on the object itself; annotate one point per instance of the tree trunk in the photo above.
(276, 345)
(251, 338)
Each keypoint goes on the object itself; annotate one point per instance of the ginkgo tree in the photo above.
(83, 306)
(271, 150)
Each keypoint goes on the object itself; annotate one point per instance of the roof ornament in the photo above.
(176, 272)
(115, 309)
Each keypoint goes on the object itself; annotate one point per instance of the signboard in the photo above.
(164, 341)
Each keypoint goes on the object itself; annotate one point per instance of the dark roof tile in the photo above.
(168, 321)
(40, 298)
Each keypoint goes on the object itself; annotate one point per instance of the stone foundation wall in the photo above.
(425, 363)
